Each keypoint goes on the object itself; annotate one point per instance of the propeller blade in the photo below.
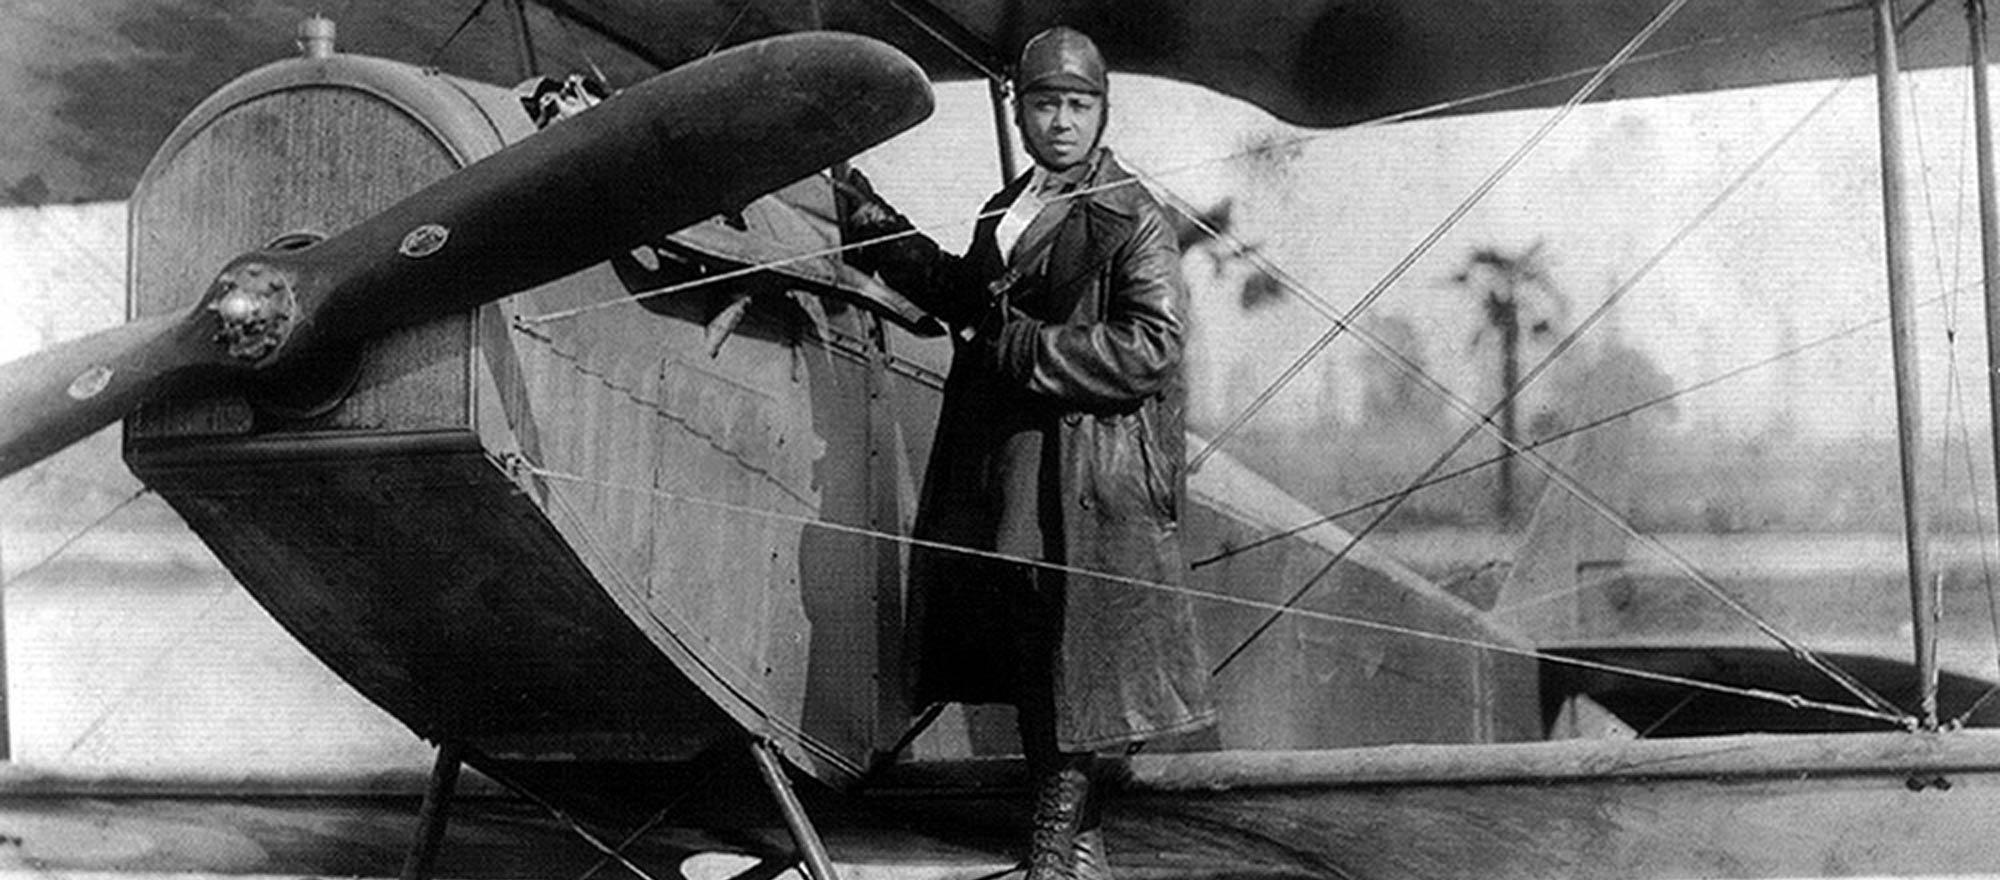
(688, 144)
(66, 392)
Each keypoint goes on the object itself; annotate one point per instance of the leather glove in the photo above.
(863, 210)
(865, 215)
(1007, 338)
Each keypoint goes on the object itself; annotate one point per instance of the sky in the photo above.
(1793, 255)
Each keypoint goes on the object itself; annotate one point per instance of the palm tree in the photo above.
(1517, 293)
(1214, 230)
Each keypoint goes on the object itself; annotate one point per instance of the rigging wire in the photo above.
(1796, 701)
(1933, 636)
(1957, 391)
(1439, 108)
(1556, 474)
(707, 776)
(1602, 73)
(463, 23)
(1436, 109)
(1799, 650)
(520, 464)
(990, 67)
(526, 323)
(1437, 233)
(1573, 590)
(575, 825)
(721, 38)
(1661, 719)
(1956, 410)
(1551, 439)
(88, 529)
(1985, 544)
(1659, 256)
(569, 36)
(154, 666)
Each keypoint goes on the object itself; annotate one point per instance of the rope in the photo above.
(1793, 700)
(1438, 233)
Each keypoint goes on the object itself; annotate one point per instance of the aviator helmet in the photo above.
(1060, 58)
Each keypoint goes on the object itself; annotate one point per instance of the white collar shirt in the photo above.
(1022, 212)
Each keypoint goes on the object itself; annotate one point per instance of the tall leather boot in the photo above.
(1089, 860)
(1062, 789)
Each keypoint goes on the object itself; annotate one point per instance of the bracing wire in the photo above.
(576, 826)
(1550, 440)
(152, 669)
(1659, 256)
(112, 706)
(1436, 109)
(1437, 233)
(1933, 634)
(1271, 606)
(529, 321)
(463, 23)
(1985, 551)
(1430, 110)
(604, 860)
(1956, 410)
(569, 34)
(1556, 475)
(747, 270)
(624, 579)
(721, 38)
(1089, 576)
(68, 542)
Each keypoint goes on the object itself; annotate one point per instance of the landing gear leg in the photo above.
(431, 817)
(812, 853)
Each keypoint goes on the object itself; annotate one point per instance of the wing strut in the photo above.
(1902, 344)
(1010, 161)
(983, 57)
(813, 857)
(435, 812)
(1989, 212)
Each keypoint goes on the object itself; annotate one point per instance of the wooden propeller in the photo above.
(685, 145)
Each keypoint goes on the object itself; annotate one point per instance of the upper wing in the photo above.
(1336, 62)
(91, 89)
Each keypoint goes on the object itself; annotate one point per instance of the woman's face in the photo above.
(1061, 127)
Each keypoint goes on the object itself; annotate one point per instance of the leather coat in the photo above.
(1083, 358)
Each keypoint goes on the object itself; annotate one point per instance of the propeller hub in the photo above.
(256, 306)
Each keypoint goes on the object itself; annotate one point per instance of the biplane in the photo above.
(580, 452)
